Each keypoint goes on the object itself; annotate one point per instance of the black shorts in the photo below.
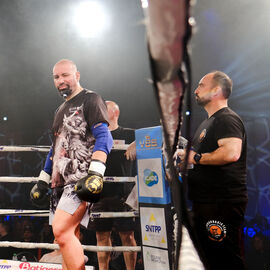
(111, 204)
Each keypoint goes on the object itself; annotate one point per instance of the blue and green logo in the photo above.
(150, 178)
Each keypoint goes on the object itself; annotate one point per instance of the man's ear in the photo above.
(78, 75)
(116, 113)
(218, 90)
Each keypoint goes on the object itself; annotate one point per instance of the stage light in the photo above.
(144, 3)
(90, 19)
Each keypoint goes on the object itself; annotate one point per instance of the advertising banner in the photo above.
(155, 258)
(153, 227)
(17, 265)
(152, 187)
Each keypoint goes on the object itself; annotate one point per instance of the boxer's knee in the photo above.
(61, 229)
(103, 238)
(127, 238)
(59, 233)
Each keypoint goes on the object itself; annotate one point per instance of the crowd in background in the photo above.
(37, 229)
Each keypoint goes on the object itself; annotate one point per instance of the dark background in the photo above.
(230, 35)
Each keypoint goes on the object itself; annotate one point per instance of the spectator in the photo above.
(5, 235)
(258, 256)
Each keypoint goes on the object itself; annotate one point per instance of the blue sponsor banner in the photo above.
(148, 141)
(152, 186)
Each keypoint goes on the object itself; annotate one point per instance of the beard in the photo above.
(202, 101)
(65, 92)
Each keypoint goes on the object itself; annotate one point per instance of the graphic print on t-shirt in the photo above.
(73, 148)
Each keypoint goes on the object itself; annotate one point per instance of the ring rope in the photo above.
(7, 148)
(45, 213)
(114, 214)
(109, 179)
(11, 179)
(29, 245)
(33, 148)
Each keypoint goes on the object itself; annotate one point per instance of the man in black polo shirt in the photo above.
(217, 183)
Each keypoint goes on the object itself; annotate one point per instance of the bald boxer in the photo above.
(76, 163)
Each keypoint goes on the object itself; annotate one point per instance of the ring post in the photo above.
(154, 200)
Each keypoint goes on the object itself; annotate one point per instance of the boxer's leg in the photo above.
(65, 228)
(128, 239)
(103, 239)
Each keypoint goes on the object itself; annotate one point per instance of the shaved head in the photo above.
(113, 114)
(111, 105)
(67, 62)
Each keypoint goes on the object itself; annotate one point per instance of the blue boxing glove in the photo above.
(40, 193)
(90, 187)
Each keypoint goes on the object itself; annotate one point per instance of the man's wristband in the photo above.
(45, 177)
(97, 166)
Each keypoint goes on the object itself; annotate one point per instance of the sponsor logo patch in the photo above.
(216, 230)
(202, 135)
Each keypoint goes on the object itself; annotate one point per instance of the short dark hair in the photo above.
(223, 80)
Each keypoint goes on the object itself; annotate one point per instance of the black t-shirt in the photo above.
(118, 165)
(73, 141)
(219, 183)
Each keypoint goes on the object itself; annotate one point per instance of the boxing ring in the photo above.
(8, 264)
(159, 225)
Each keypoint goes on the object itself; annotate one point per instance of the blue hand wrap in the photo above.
(48, 163)
(103, 136)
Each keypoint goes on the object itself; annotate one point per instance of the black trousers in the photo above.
(219, 231)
